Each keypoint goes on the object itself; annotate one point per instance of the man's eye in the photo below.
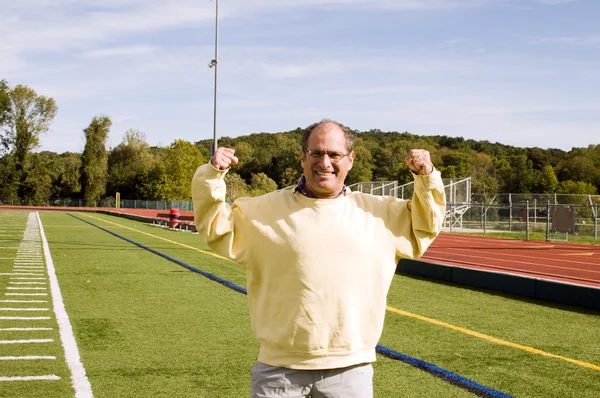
(317, 154)
(334, 155)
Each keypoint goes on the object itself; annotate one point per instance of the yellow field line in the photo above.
(405, 313)
(493, 339)
(158, 237)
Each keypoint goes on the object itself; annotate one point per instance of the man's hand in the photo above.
(419, 161)
(223, 158)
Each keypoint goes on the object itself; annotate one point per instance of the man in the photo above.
(319, 260)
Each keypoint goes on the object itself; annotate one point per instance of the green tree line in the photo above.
(267, 161)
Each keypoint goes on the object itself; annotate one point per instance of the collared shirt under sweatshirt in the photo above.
(318, 270)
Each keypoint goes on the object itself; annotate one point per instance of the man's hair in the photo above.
(348, 135)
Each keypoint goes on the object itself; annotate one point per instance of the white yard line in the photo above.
(79, 379)
(23, 301)
(29, 378)
(23, 329)
(28, 278)
(27, 358)
(24, 309)
(26, 294)
(24, 318)
(22, 273)
(29, 341)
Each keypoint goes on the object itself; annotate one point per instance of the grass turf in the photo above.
(148, 327)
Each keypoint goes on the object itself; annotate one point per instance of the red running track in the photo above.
(559, 261)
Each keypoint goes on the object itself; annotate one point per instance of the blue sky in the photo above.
(518, 72)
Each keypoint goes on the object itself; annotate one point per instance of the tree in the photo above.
(362, 168)
(24, 115)
(236, 186)
(544, 181)
(4, 102)
(179, 165)
(127, 165)
(261, 184)
(69, 178)
(40, 185)
(94, 160)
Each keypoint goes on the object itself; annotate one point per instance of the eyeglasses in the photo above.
(334, 156)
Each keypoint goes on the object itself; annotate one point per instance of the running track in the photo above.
(559, 261)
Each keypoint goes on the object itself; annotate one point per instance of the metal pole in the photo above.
(510, 212)
(596, 224)
(485, 221)
(215, 63)
(548, 223)
(527, 223)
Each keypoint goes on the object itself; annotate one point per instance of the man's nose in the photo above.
(325, 160)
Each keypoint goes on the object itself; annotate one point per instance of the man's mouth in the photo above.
(324, 173)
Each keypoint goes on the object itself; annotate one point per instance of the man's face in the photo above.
(324, 177)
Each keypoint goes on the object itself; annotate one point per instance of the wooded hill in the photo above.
(267, 161)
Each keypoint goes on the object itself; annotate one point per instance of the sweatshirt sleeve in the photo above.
(216, 221)
(426, 212)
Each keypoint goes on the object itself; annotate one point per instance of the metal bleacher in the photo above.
(458, 195)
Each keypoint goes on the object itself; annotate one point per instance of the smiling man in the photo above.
(319, 261)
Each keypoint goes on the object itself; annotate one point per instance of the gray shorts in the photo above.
(351, 382)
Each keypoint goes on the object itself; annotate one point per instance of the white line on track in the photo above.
(79, 380)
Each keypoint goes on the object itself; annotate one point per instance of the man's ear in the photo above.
(302, 154)
(351, 158)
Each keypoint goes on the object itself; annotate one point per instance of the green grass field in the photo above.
(147, 327)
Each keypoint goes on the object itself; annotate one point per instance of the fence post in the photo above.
(548, 223)
(596, 224)
(481, 218)
(527, 222)
(484, 222)
(510, 212)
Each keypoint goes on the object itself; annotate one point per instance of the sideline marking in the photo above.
(416, 316)
(157, 237)
(493, 339)
(79, 380)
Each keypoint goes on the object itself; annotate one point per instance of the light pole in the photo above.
(215, 64)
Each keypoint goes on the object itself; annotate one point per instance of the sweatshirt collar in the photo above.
(303, 189)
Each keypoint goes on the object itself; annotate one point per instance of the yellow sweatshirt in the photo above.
(318, 270)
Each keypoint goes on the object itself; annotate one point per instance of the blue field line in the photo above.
(436, 371)
(450, 377)
(215, 278)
